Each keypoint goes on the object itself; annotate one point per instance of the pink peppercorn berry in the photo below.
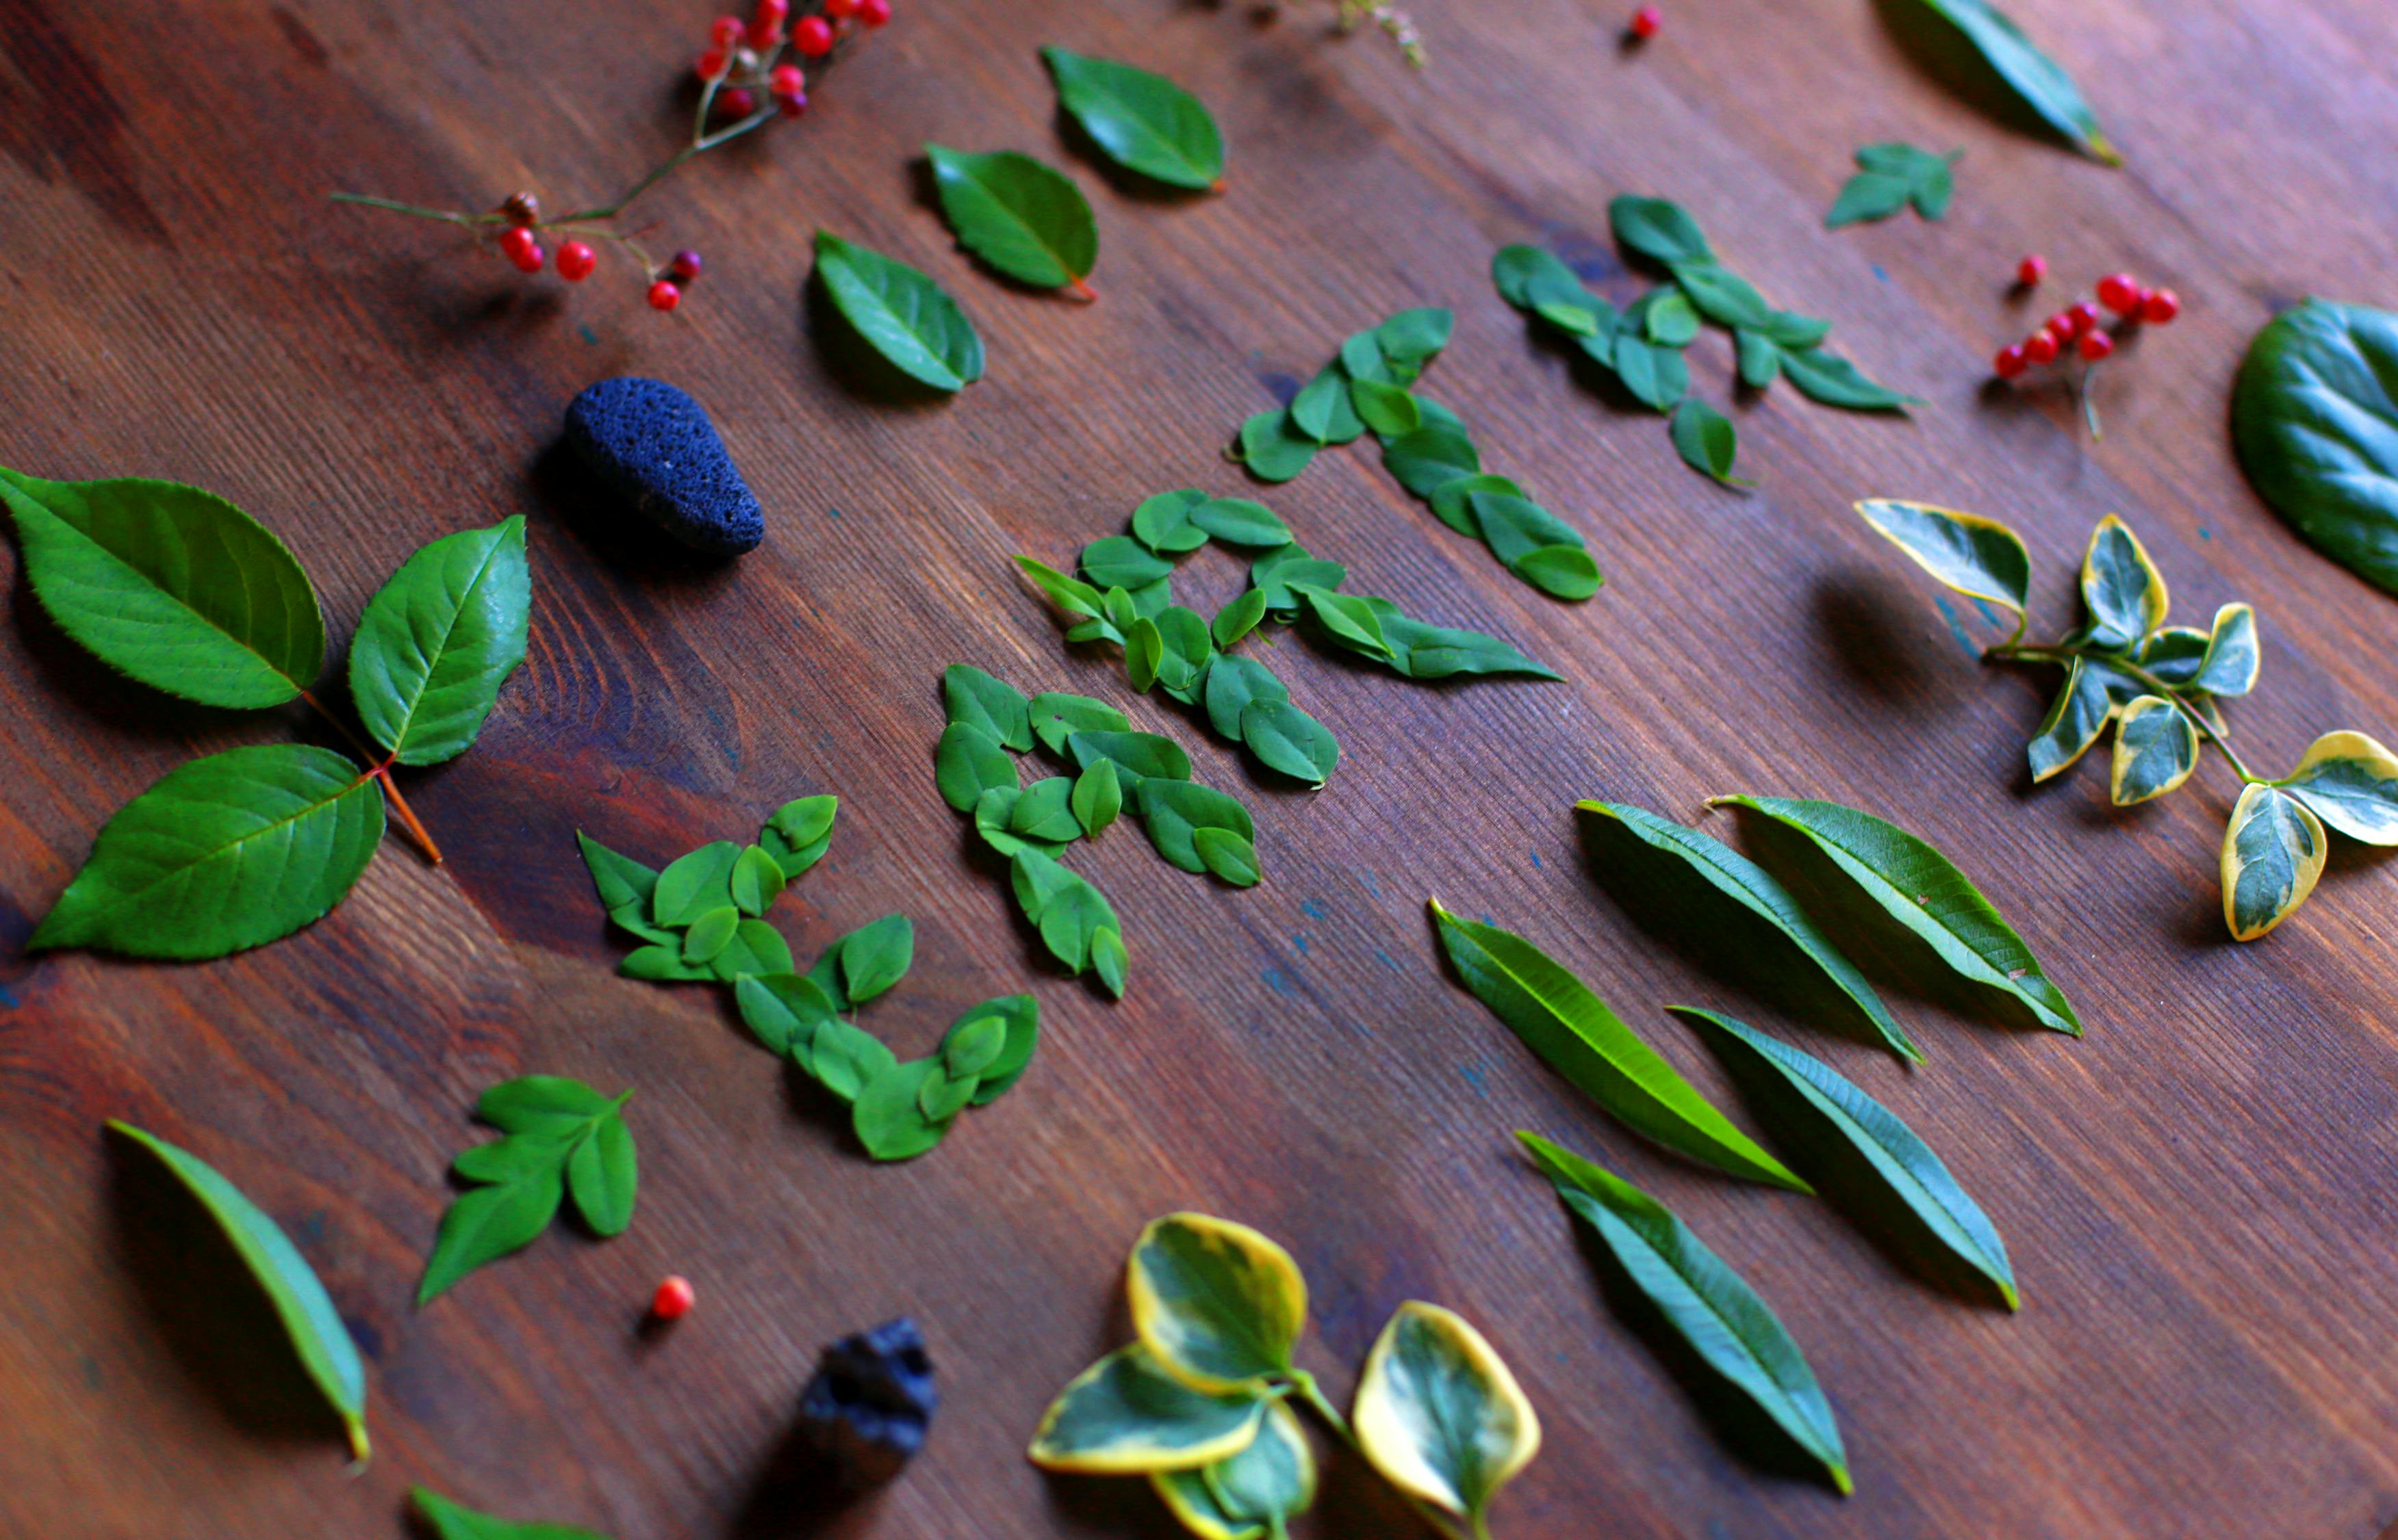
(674, 1299)
(683, 266)
(766, 23)
(2031, 270)
(734, 103)
(576, 260)
(2010, 362)
(2160, 306)
(2041, 346)
(520, 246)
(2095, 344)
(665, 295)
(2085, 318)
(724, 32)
(1646, 23)
(711, 65)
(874, 13)
(813, 37)
(2119, 293)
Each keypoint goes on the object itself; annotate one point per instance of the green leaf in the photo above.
(1834, 382)
(1575, 1034)
(1237, 618)
(1109, 959)
(1229, 857)
(2035, 80)
(1903, 1164)
(449, 1521)
(510, 1158)
(625, 887)
(1761, 359)
(1410, 339)
(967, 762)
(1704, 437)
(1273, 446)
(603, 1177)
(306, 1312)
(1431, 456)
(1070, 596)
(1323, 410)
(944, 1094)
(1239, 521)
(1120, 561)
(1658, 230)
(845, 1060)
(2156, 749)
(1923, 891)
(1185, 649)
(2087, 702)
(1138, 755)
(1163, 522)
(1044, 814)
(1657, 377)
(1389, 411)
(1025, 219)
(170, 585)
(710, 934)
(439, 640)
(1891, 176)
(1275, 571)
(978, 699)
(1232, 684)
(1056, 717)
(2228, 666)
(1749, 885)
(902, 313)
(1098, 796)
(797, 832)
(1721, 295)
(1440, 1415)
(1019, 1018)
(757, 881)
(2314, 415)
(1736, 1333)
(1144, 122)
(550, 1106)
(782, 1010)
(1525, 276)
(226, 853)
(1670, 320)
(1561, 571)
(1125, 1415)
(875, 957)
(888, 1114)
(1790, 329)
(486, 1223)
(1218, 1306)
(2122, 588)
(1346, 619)
(693, 884)
(1252, 1495)
(1174, 812)
(661, 963)
(755, 947)
(1421, 651)
(2349, 782)
(1977, 557)
(1287, 740)
(1869, 195)
(1070, 913)
(2273, 851)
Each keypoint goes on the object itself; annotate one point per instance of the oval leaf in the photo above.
(2156, 749)
(2314, 416)
(2349, 782)
(1439, 1413)
(1977, 557)
(1144, 122)
(2229, 666)
(2122, 588)
(603, 1176)
(1124, 1415)
(1287, 740)
(905, 316)
(2272, 854)
(1253, 1494)
(1023, 218)
(1704, 439)
(439, 640)
(1218, 1306)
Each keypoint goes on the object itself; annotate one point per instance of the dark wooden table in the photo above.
(2201, 1197)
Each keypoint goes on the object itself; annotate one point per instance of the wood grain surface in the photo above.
(2202, 1198)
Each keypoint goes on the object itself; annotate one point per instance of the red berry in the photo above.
(2085, 318)
(841, 10)
(2031, 270)
(711, 65)
(576, 260)
(766, 23)
(674, 1299)
(664, 295)
(794, 105)
(2096, 344)
(2041, 346)
(874, 12)
(724, 32)
(684, 266)
(2007, 364)
(520, 247)
(787, 80)
(2119, 293)
(2161, 306)
(813, 37)
(1646, 23)
(2062, 324)
(735, 102)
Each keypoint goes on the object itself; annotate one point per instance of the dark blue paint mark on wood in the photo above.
(1956, 626)
(1388, 962)
(1312, 909)
(1277, 982)
(1299, 940)
(1473, 1074)
(1536, 861)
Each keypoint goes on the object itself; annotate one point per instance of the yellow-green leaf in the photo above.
(2122, 587)
(2272, 854)
(1218, 1306)
(1252, 1494)
(1123, 1415)
(1440, 1415)
(2349, 782)
(1978, 557)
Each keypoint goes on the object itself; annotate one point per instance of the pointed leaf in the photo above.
(694, 884)
(1287, 740)
(450, 1521)
(889, 1115)
(1025, 219)
(1658, 230)
(1273, 446)
(603, 1176)
(2229, 664)
(1144, 122)
(1138, 755)
(1977, 557)
(2349, 782)
(1174, 811)
(875, 957)
(1834, 382)
(439, 640)
(782, 1010)
(903, 314)
(967, 762)
(486, 1223)
(1704, 439)
(2122, 588)
(1251, 1496)
(551, 1107)
(797, 833)
(2089, 698)
(2156, 749)
(2036, 81)
(1237, 618)
(971, 696)
(1124, 1416)
(1869, 195)
(1055, 717)
(1218, 1306)
(2273, 851)
(1439, 1413)
(1098, 796)
(1019, 1017)
(1240, 521)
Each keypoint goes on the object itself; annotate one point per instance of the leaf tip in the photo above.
(1842, 1481)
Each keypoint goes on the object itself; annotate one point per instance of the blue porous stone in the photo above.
(871, 1403)
(655, 445)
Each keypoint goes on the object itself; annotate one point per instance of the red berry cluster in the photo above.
(2077, 328)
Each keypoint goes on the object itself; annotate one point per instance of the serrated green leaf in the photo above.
(1144, 122)
(439, 640)
(902, 313)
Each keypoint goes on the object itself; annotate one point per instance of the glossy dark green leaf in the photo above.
(1098, 796)
(1027, 220)
(305, 1312)
(2038, 81)
(1287, 740)
(2314, 416)
(1056, 717)
(1834, 382)
(603, 1177)
(889, 1115)
(968, 762)
(902, 313)
(437, 642)
(2089, 698)
(1709, 1304)
(694, 883)
(1704, 437)
(2349, 782)
(1516, 527)
(1754, 889)
(1174, 810)
(1977, 557)
(1658, 230)
(1527, 275)
(2229, 666)
(223, 854)
(170, 585)
(981, 700)
(1138, 755)
(1144, 122)
(450, 1521)
(2273, 851)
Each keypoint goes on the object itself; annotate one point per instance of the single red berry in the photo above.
(2062, 324)
(684, 266)
(2031, 270)
(2161, 306)
(841, 10)
(2085, 318)
(664, 295)
(813, 37)
(576, 260)
(674, 1299)
(2041, 346)
(794, 105)
(1646, 23)
(766, 23)
(787, 80)
(519, 246)
(735, 102)
(2119, 293)
(724, 32)
(2096, 344)
(2006, 366)
(874, 12)
(711, 65)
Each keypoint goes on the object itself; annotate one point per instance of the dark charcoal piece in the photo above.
(871, 1403)
(655, 445)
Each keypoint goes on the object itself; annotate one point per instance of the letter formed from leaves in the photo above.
(1713, 1308)
(2314, 416)
(1143, 122)
(1027, 220)
(1889, 177)
(301, 1308)
(560, 1138)
(1439, 1413)
(449, 1520)
(2162, 684)
(2037, 82)
(702, 917)
(900, 313)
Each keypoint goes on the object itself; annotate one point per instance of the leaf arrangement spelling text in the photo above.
(559, 1139)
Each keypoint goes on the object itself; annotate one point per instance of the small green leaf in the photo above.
(1071, 916)
(1237, 618)
(1869, 195)
(1044, 814)
(439, 640)
(944, 1094)
(1120, 561)
(1055, 717)
(1834, 382)
(1323, 409)
(971, 696)
(2035, 80)
(1287, 740)
(972, 1044)
(1175, 811)
(1144, 122)
(510, 1158)
(1218, 1306)
(1721, 295)
(1138, 755)
(2122, 588)
(603, 1177)
(782, 1010)
(1389, 410)
(2273, 851)
(1098, 796)
(2156, 749)
(1671, 320)
(1163, 522)
(710, 934)
(797, 832)
(1658, 230)
(486, 1223)
(1275, 571)
(1070, 596)
(888, 1114)
(661, 963)
(1561, 571)
(1657, 377)
(2087, 702)
(1185, 649)
(1977, 557)
(1125, 1415)
(967, 762)
(450, 1521)
(1239, 521)
(1440, 1415)
(694, 883)
(1761, 358)
(1346, 619)
(755, 947)
(544, 1106)
(1431, 456)
(1421, 651)
(875, 957)
(1232, 684)
(625, 887)
(902, 313)
(1704, 437)
(1025, 219)
(1229, 856)
(2230, 663)
(1021, 1017)
(2349, 782)
(1273, 448)
(845, 1060)
(757, 881)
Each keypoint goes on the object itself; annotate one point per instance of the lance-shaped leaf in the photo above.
(903, 314)
(1124, 1416)
(1439, 1413)
(226, 853)
(1027, 220)
(2314, 416)
(2156, 748)
(1750, 886)
(1709, 1304)
(1145, 122)
(1423, 651)
(450, 1521)
(2273, 851)
(2229, 666)
(1903, 1162)
(2122, 588)
(1218, 1306)
(1251, 1496)
(2035, 80)
(1925, 892)
(439, 640)
(1833, 381)
(171, 585)
(2349, 782)
(305, 1310)
(1071, 595)
(1572, 1030)
(1977, 557)
(626, 889)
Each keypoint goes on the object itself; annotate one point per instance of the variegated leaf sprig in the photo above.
(2162, 687)
(1201, 1403)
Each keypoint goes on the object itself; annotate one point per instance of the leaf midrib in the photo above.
(457, 615)
(217, 851)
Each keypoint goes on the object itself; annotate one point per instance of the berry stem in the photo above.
(418, 210)
(2089, 407)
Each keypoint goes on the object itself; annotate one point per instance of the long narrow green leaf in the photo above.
(2037, 80)
(1572, 1029)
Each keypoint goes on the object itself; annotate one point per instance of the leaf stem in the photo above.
(1312, 1394)
(2208, 730)
(408, 820)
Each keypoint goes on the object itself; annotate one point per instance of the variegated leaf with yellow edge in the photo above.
(2272, 854)
(2349, 782)
(2156, 748)
(1125, 1416)
(1252, 1495)
(1979, 558)
(2229, 665)
(2122, 587)
(1439, 1413)
(2091, 696)
(1218, 1306)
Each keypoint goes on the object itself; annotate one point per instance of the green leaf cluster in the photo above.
(1425, 446)
(2162, 686)
(702, 917)
(1889, 177)
(559, 1138)
(1200, 1401)
(180, 590)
